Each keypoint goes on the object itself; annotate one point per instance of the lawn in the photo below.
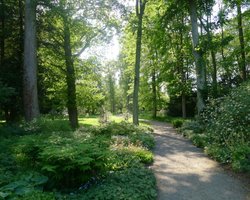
(94, 120)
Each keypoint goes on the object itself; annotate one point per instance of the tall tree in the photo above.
(30, 96)
(140, 8)
(199, 61)
(242, 62)
(70, 76)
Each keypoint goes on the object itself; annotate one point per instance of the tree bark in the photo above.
(70, 77)
(112, 93)
(154, 113)
(213, 56)
(140, 7)
(2, 36)
(242, 43)
(199, 62)
(30, 96)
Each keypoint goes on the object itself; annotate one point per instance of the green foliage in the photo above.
(177, 123)
(128, 155)
(219, 153)
(241, 158)
(129, 184)
(38, 195)
(136, 135)
(45, 125)
(66, 159)
(5, 94)
(224, 129)
(23, 184)
(194, 126)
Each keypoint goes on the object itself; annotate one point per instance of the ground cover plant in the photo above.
(224, 129)
(47, 160)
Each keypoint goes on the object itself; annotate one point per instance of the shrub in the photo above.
(224, 128)
(67, 161)
(241, 158)
(46, 125)
(194, 126)
(219, 153)
(199, 140)
(128, 156)
(136, 135)
(228, 119)
(23, 184)
(38, 195)
(132, 184)
(177, 123)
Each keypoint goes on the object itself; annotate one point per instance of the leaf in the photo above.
(24, 190)
(4, 194)
(49, 168)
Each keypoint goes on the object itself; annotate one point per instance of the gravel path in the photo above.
(184, 172)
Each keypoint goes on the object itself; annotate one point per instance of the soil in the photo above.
(184, 172)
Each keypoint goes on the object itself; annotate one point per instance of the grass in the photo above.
(94, 120)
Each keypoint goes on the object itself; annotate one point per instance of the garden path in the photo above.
(184, 172)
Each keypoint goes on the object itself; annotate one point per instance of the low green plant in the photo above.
(241, 158)
(177, 123)
(219, 153)
(38, 195)
(128, 184)
(45, 124)
(70, 159)
(194, 126)
(23, 185)
(66, 160)
(223, 129)
(199, 140)
(128, 156)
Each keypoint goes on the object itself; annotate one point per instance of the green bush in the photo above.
(136, 135)
(66, 160)
(228, 119)
(194, 126)
(241, 158)
(23, 185)
(199, 140)
(128, 184)
(128, 156)
(46, 125)
(224, 128)
(38, 195)
(219, 153)
(70, 159)
(177, 123)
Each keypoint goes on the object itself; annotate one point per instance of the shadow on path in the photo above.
(184, 172)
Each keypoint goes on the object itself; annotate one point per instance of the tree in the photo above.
(140, 8)
(30, 95)
(199, 62)
(242, 63)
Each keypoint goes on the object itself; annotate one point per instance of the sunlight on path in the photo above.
(184, 172)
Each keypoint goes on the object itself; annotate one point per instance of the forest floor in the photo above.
(184, 172)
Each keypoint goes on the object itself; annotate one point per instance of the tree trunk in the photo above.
(70, 77)
(199, 62)
(2, 36)
(30, 96)
(141, 5)
(184, 105)
(154, 113)
(213, 56)
(112, 93)
(242, 44)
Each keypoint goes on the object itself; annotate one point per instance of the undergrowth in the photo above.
(223, 130)
(45, 159)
